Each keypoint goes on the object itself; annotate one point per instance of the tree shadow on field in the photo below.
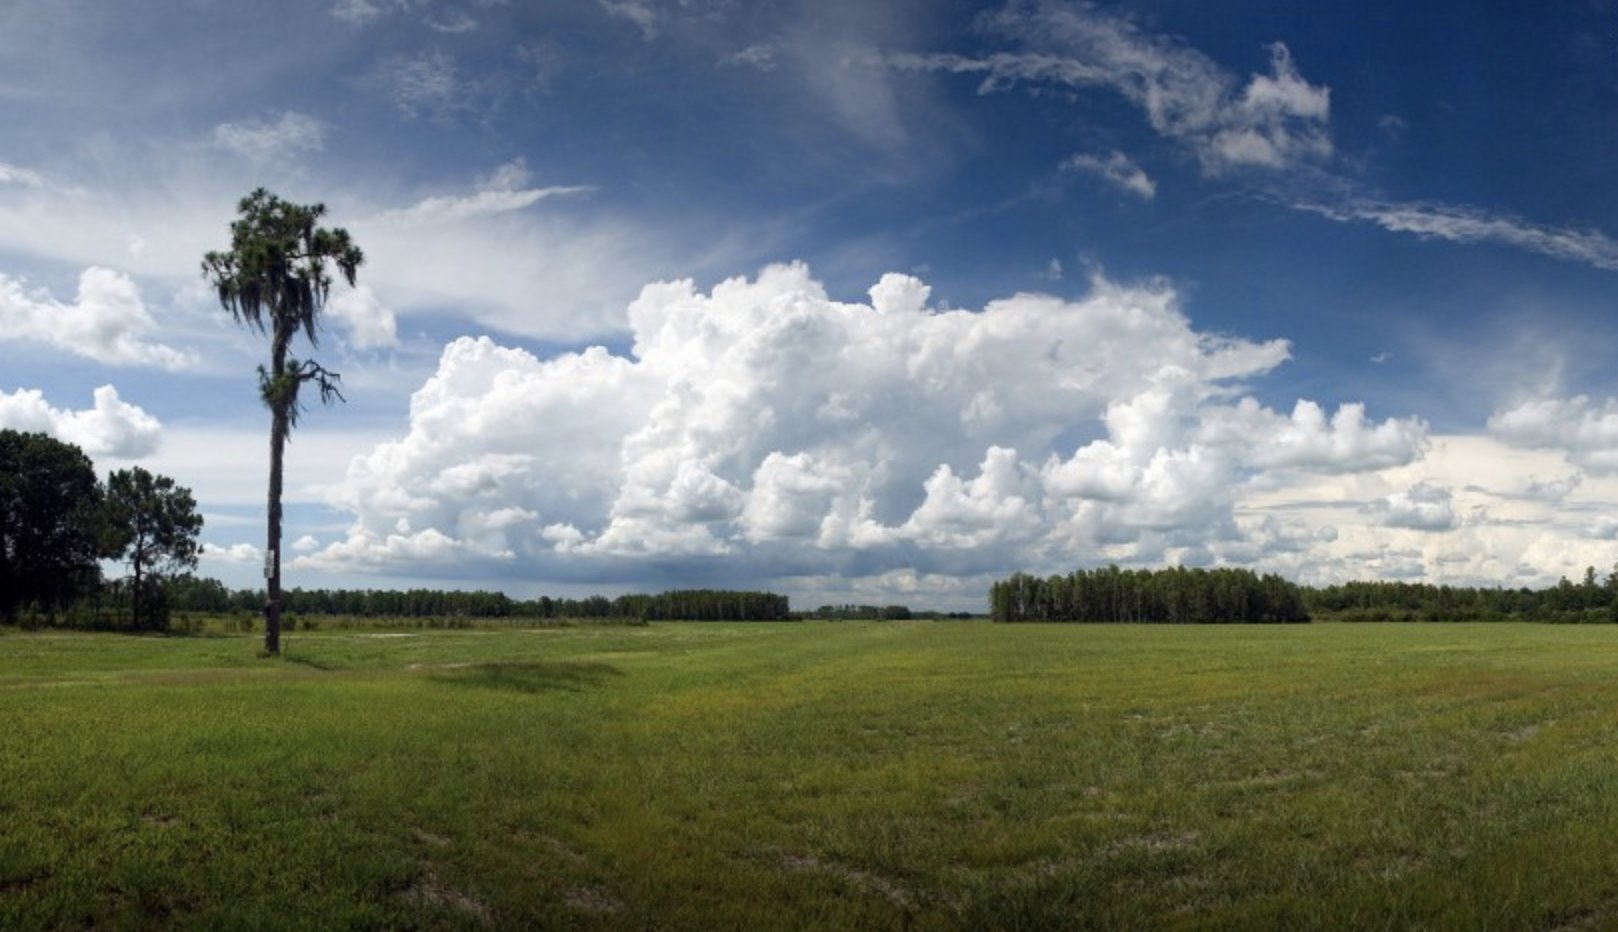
(529, 676)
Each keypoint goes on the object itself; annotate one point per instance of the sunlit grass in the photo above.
(929, 775)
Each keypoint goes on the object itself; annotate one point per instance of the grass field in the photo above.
(898, 775)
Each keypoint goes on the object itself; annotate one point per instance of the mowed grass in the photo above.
(732, 776)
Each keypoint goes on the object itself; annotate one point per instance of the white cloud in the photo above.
(111, 428)
(232, 555)
(451, 22)
(639, 12)
(512, 176)
(1307, 441)
(1423, 507)
(356, 12)
(1274, 121)
(107, 321)
(264, 141)
(494, 430)
(1585, 429)
(448, 19)
(370, 325)
(1470, 225)
(424, 84)
(1277, 121)
(23, 177)
(486, 203)
(523, 259)
(799, 436)
(509, 258)
(1117, 169)
(760, 56)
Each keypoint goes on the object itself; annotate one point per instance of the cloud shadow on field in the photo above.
(529, 676)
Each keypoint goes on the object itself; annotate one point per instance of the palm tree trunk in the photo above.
(272, 556)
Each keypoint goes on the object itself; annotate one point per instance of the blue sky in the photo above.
(855, 301)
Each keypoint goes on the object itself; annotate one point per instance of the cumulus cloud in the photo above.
(111, 427)
(107, 321)
(1274, 121)
(769, 425)
(1584, 429)
(232, 554)
(266, 141)
(1117, 169)
(1424, 507)
(1308, 441)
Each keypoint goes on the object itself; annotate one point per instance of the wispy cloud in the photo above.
(1117, 169)
(424, 84)
(270, 141)
(1471, 225)
(639, 12)
(1272, 121)
(11, 174)
(356, 12)
(448, 209)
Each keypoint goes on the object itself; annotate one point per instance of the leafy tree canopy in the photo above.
(152, 524)
(50, 543)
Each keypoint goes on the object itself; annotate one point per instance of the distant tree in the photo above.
(152, 524)
(275, 279)
(49, 540)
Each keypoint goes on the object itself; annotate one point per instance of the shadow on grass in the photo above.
(529, 676)
(305, 661)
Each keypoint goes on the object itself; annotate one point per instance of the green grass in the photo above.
(899, 775)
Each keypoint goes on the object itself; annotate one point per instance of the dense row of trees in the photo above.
(1181, 595)
(707, 605)
(58, 523)
(1175, 596)
(209, 595)
(1590, 600)
(863, 613)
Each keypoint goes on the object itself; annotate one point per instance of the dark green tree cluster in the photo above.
(207, 595)
(50, 524)
(1590, 600)
(58, 522)
(864, 613)
(1172, 596)
(153, 525)
(706, 605)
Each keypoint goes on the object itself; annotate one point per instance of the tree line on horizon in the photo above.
(210, 596)
(1172, 596)
(1180, 595)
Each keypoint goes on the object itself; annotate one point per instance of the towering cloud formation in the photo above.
(766, 424)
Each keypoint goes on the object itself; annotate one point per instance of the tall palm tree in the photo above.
(275, 280)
